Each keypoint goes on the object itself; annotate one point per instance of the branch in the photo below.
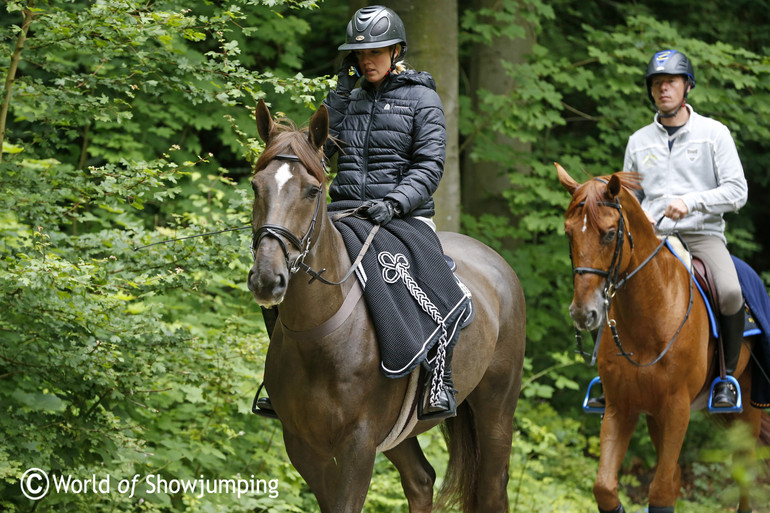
(15, 58)
(582, 115)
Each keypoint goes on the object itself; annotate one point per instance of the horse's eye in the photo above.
(313, 192)
(610, 236)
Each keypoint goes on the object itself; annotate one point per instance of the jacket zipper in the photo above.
(366, 145)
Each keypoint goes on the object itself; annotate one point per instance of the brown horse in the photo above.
(335, 405)
(666, 359)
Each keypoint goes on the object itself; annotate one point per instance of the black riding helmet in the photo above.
(375, 27)
(669, 62)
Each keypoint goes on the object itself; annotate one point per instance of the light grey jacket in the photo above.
(702, 168)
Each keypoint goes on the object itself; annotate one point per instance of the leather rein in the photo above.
(613, 282)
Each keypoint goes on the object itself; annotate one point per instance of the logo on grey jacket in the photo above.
(650, 160)
(692, 154)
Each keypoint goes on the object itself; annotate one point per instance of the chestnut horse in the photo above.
(663, 368)
(335, 405)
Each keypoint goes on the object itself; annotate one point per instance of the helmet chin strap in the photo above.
(670, 114)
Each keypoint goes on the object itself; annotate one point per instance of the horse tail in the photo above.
(459, 486)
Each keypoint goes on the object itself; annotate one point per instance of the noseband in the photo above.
(278, 232)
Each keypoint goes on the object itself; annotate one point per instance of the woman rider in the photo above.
(390, 134)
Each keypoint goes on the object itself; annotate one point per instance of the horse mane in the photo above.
(591, 194)
(288, 139)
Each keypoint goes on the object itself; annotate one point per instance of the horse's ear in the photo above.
(613, 187)
(265, 125)
(319, 127)
(566, 180)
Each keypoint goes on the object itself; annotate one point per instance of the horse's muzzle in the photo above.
(586, 317)
(268, 289)
(268, 277)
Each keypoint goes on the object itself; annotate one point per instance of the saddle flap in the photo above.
(706, 281)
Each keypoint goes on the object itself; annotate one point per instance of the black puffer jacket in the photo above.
(392, 142)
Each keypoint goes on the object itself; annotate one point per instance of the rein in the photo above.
(613, 283)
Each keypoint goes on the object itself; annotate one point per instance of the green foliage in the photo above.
(132, 122)
(117, 363)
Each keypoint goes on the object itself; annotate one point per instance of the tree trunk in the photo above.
(11, 75)
(431, 32)
(483, 182)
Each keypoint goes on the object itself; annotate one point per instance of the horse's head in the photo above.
(599, 239)
(289, 198)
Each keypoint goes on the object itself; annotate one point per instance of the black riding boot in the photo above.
(619, 509)
(445, 405)
(725, 394)
(263, 406)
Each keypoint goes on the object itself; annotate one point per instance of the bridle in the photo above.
(613, 283)
(279, 233)
(303, 244)
(613, 272)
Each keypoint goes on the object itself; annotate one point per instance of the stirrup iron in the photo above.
(738, 408)
(586, 407)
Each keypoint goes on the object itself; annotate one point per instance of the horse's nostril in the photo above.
(279, 284)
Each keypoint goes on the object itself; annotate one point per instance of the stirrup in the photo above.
(432, 412)
(259, 409)
(738, 408)
(586, 407)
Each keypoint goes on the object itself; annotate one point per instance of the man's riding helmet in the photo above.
(669, 62)
(375, 27)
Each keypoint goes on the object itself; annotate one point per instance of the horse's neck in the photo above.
(659, 290)
(307, 305)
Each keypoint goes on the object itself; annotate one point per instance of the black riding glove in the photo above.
(345, 80)
(381, 211)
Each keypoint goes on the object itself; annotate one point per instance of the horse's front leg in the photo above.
(616, 432)
(355, 464)
(319, 471)
(339, 483)
(667, 429)
(417, 475)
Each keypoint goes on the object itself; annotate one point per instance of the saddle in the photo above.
(705, 281)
